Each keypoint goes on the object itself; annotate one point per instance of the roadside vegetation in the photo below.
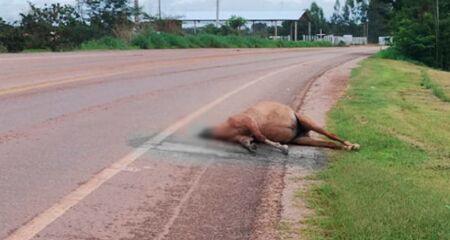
(394, 54)
(397, 185)
(420, 29)
(117, 25)
(154, 40)
(435, 88)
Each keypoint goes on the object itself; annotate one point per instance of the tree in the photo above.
(236, 22)
(359, 18)
(260, 29)
(318, 20)
(336, 20)
(414, 28)
(288, 28)
(54, 26)
(107, 15)
(351, 18)
(11, 38)
(379, 15)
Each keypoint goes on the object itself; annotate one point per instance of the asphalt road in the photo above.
(103, 145)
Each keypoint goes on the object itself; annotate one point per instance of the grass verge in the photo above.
(153, 40)
(394, 54)
(148, 40)
(36, 50)
(397, 186)
(106, 43)
(435, 88)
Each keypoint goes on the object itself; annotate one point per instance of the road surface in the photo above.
(102, 145)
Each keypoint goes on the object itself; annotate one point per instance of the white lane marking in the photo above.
(177, 210)
(41, 221)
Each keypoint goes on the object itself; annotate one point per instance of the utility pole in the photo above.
(217, 12)
(367, 30)
(159, 10)
(136, 11)
(309, 31)
(295, 31)
(276, 29)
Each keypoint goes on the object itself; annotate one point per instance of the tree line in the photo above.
(420, 32)
(420, 29)
(59, 27)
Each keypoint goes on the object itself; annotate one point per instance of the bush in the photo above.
(175, 41)
(213, 41)
(3, 49)
(155, 40)
(236, 22)
(143, 40)
(391, 53)
(55, 26)
(105, 43)
(194, 41)
(224, 30)
(395, 54)
(11, 38)
(237, 42)
(158, 41)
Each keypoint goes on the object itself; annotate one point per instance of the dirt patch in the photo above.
(326, 90)
(268, 213)
(322, 95)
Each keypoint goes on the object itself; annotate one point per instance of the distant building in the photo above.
(195, 18)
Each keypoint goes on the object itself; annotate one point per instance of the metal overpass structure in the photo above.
(273, 17)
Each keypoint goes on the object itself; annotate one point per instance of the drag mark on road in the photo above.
(185, 198)
(41, 221)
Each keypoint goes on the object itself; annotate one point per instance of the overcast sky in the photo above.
(10, 9)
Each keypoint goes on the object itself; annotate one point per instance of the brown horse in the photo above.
(274, 124)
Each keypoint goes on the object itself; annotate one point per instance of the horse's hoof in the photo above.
(352, 147)
(251, 147)
(356, 147)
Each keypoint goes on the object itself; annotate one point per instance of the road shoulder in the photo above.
(324, 92)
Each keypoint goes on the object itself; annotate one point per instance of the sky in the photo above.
(10, 9)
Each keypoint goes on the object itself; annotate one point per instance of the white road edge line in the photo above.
(41, 221)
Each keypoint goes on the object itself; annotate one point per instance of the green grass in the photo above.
(106, 43)
(398, 185)
(435, 88)
(394, 54)
(36, 50)
(391, 53)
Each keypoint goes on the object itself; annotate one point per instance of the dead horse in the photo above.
(274, 124)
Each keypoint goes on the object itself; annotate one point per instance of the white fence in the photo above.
(337, 40)
(286, 38)
(385, 40)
